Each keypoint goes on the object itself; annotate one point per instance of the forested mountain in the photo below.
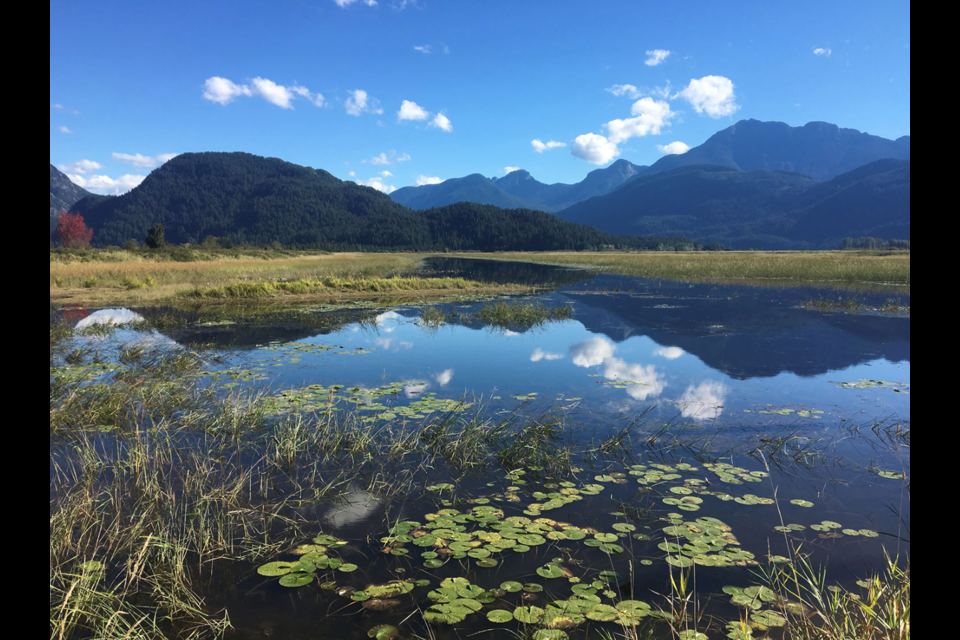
(818, 149)
(753, 209)
(517, 189)
(247, 198)
(63, 194)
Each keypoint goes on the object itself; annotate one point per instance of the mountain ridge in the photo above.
(518, 189)
(248, 198)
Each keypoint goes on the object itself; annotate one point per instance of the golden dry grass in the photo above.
(138, 280)
(834, 267)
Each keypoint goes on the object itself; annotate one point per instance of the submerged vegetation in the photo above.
(183, 490)
(500, 314)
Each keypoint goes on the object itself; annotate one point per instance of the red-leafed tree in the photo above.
(72, 231)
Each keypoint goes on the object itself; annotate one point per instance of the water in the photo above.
(696, 374)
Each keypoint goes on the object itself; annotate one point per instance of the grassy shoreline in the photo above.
(832, 267)
(101, 277)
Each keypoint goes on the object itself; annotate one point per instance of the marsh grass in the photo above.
(854, 268)
(335, 286)
(110, 278)
(880, 610)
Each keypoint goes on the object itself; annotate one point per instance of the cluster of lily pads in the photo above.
(478, 531)
(313, 556)
(753, 599)
(709, 542)
(863, 383)
(320, 399)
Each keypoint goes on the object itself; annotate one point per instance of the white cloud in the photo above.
(670, 353)
(624, 90)
(142, 161)
(224, 91)
(64, 130)
(594, 148)
(422, 180)
(315, 98)
(674, 148)
(346, 3)
(655, 57)
(711, 94)
(650, 384)
(80, 166)
(352, 174)
(591, 352)
(540, 146)
(411, 111)
(360, 102)
(540, 354)
(105, 185)
(441, 121)
(424, 49)
(377, 183)
(444, 378)
(387, 159)
(507, 170)
(386, 174)
(56, 105)
(272, 92)
(822, 51)
(650, 116)
(703, 402)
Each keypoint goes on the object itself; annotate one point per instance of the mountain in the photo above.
(472, 188)
(751, 209)
(248, 198)
(818, 149)
(63, 194)
(517, 189)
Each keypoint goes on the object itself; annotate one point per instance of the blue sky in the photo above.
(396, 92)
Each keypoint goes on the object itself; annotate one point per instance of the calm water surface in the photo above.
(738, 375)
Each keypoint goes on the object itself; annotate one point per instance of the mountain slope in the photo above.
(63, 194)
(248, 198)
(473, 188)
(744, 209)
(817, 149)
(517, 189)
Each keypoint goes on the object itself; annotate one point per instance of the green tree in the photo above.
(154, 239)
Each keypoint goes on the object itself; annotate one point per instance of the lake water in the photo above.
(740, 394)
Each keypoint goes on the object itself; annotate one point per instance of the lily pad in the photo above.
(499, 616)
(297, 579)
(528, 615)
(384, 632)
(550, 571)
(275, 568)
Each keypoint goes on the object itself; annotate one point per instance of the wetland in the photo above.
(561, 452)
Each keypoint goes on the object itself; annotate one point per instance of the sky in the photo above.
(395, 93)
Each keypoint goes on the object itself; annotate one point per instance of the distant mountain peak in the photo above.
(821, 150)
